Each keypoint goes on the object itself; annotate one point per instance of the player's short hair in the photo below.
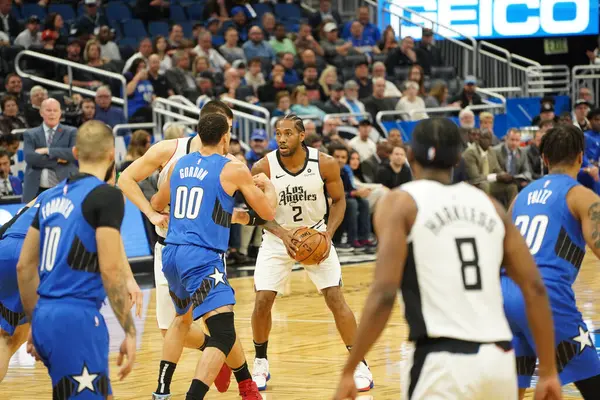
(216, 106)
(212, 128)
(562, 144)
(298, 123)
(436, 143)
(593, 113)
(94, 140)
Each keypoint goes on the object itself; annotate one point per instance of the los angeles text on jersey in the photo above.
(449, 214)
(295, 194)
(61, 205)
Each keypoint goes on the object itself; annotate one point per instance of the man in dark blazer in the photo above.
(325, 13)
(48, 151)
(9, 185)
(8, 23)
(513, 159)
(370, 166)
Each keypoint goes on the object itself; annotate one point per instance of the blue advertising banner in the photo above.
(132, 230)
(493, 19)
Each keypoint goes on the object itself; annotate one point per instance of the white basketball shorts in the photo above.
(165, 310)
(488, 374)
(274, 265)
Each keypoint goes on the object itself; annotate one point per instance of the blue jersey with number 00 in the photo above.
(200, 209)
(553, 235)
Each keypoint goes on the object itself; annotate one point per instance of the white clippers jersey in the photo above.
(301, 196)
(183, 148)
(451, 285)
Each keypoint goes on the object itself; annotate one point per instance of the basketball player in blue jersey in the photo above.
(558, 217)
(160, 157)
(69, 264)
(200, 191)
(443, 245)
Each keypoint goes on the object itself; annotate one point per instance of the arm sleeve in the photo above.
(104, 207)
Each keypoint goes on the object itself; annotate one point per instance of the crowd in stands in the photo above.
(268, 53)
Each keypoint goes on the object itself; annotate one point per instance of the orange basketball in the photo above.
(312, 245)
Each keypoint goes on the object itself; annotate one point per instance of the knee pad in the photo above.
(222, 332)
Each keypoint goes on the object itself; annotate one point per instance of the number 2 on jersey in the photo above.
(532, 230)
(51, 238)
(298, 213)
(187, 202)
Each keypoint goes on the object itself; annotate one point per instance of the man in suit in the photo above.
(325, 13)
(513, 159)
(8, 23)
(179, 77)
(9, 185)
(48, 151)
(370, 166)
(483, 171)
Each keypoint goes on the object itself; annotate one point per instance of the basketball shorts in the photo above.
(165, 310)
(274, 265)
(197, 279)
(11, 309)
(71, 338)
(455, 370)
(576, 356)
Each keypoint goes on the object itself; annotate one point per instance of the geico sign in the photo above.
(499, 18)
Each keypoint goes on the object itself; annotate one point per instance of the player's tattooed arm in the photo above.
(594, 216)
(584, 204)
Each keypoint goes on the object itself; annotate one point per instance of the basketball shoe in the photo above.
(363, 378)
(161, 396)
(260, 373)
(249, 390)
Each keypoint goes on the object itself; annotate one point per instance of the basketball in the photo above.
(312, 245)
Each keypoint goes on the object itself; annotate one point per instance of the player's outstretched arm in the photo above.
(27, 270)
(585, 206)
(521, 267)
(237, 177)
(161, 198)
(393, 222)
(140, 169)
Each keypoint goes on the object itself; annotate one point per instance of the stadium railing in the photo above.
(248, 117)
(120, 145)
(585, 76)
(122, 101)
(548, 80)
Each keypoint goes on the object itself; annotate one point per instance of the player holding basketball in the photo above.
(302, 176)
(161, 156)
(443, 246)
(200, 189)
(72, 259)
(558, 217)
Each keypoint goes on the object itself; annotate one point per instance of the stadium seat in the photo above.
(261, 9)
(16, 12)
(446, 73)
(80, 10)
(117, 11)
(288, 12)
(134, 28)
(66, 11)
(178, 13)
(188, 28)
(291, 26)
(156, 28)
(401, 73)
(195, 10)
(347, 73)
(379, 57)
(30, 9)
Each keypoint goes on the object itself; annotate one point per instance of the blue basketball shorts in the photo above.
(576, 355)
(11, 309)
(71, 338)
(197, 279)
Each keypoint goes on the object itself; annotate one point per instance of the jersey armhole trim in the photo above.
(409, 237)
(172, 155)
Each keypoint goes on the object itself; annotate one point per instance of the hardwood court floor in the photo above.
(305, 351)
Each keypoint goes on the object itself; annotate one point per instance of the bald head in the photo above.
(50, 112)
(94, 143)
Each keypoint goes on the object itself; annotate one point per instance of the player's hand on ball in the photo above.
(127, 350)
(240, 216)
(136, 296)
(548, 388)
(291, 244)
(31, 348)
(326, 254)
(346, 388)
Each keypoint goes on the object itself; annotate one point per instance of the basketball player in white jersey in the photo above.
(302, 176)
(160, 157)
(443, 246)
